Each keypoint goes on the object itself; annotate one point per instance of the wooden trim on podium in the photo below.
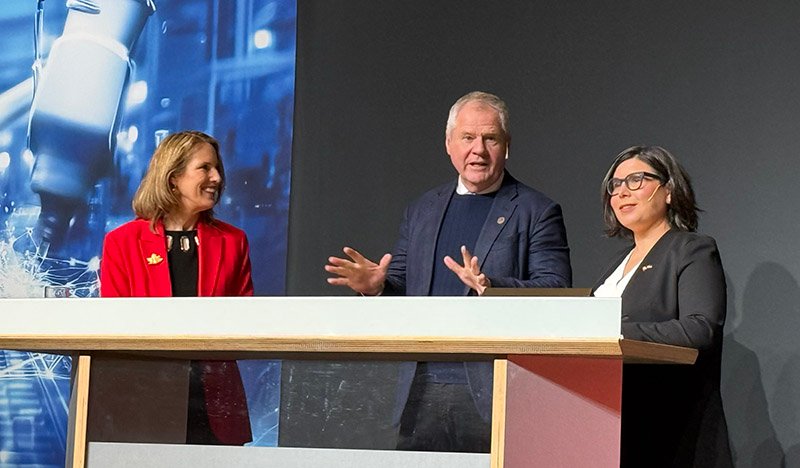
(499, 413)
(78, 409)
(631, 351)
(313, 344)
(642, 352)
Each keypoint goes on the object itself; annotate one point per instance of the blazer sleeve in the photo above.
(395, 284)
(547, 253)
(701, 300)
(244, 286)
(113, 272)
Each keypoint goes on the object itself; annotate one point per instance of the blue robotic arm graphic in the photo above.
(77, 105)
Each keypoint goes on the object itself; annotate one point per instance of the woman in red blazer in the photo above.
(175, 247)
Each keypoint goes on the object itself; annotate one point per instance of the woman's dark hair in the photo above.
(681, 211)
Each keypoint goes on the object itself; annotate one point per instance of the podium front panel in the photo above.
(138, 400)
(563, 411)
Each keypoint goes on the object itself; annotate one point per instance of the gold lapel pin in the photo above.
(154, 259)
(647, 267)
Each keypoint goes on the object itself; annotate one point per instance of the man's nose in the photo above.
(479, 146)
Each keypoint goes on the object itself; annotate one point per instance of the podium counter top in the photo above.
(390, 325)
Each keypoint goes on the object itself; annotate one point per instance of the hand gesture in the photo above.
(469, 273)
(358, 273)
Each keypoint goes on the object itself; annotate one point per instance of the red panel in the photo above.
(563, 412)
(574, 375)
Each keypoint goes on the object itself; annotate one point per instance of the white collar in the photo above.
(462, 189)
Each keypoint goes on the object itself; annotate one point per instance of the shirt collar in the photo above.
(462, 189)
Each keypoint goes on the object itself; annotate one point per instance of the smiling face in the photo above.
(477, 146)
(640, 210)
(197, 187)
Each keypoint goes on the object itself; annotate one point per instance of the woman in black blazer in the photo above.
(673, 291)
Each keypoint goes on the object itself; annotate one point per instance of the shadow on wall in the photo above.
(793, 455)
(761, 369)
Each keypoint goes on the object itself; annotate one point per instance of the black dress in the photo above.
(183, 272)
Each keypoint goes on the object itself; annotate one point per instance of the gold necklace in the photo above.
(184, 243)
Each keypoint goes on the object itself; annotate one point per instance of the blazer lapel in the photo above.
(651, 263)
(429, 233)
(611, 267)
(209, 257)
(499, 215)
(153, 253)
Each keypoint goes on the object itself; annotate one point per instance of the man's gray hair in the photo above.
(486, 99)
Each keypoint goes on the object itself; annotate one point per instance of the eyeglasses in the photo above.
(633, 181)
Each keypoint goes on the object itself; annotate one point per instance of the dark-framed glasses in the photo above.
(633, 181)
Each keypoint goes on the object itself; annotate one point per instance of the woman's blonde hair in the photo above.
(155, 198)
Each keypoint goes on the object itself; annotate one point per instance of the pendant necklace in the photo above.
(184, 243)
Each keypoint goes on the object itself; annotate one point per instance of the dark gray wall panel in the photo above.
(715, 82)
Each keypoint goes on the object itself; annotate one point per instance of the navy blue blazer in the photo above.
(672, 415)
(522, 244)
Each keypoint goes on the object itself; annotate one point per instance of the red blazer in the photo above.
(134, 264)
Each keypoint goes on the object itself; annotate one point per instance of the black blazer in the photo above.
(672, 415)
(677, 295)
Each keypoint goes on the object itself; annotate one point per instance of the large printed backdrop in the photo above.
(87, 89)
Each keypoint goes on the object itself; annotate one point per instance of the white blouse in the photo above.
(615, 284)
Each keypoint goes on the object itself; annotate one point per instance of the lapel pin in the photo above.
(501, 220)
(154, 259)
(647, 267)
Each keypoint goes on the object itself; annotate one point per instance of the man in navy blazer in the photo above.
(505, 234)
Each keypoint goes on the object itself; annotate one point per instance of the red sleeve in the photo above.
(246, 281)
(113, 274)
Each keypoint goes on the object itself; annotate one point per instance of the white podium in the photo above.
(557, 363)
